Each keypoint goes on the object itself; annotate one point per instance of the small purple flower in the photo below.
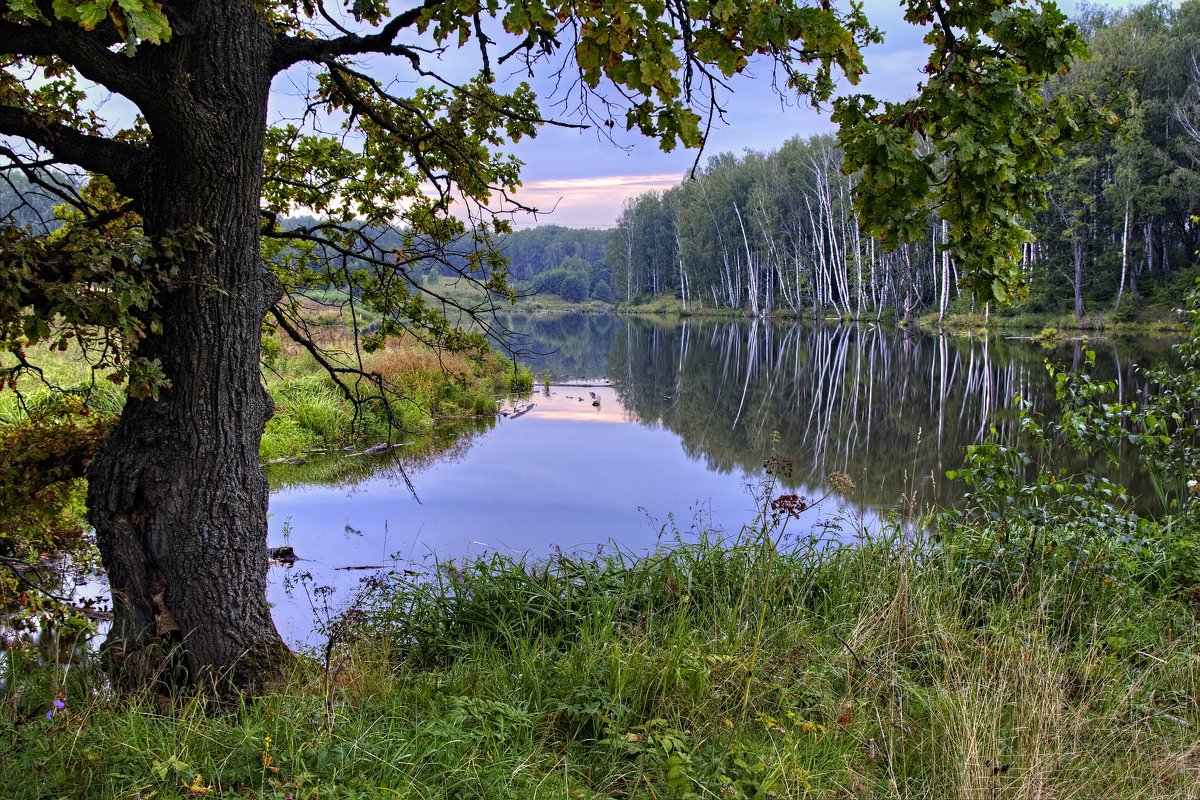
(59, 705)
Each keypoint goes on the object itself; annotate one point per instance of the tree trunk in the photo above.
(945, 298)
(177, 495)
(1124, 257)
(1077, 253)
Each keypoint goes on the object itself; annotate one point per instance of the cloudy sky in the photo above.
(579, 178)
(584, 178)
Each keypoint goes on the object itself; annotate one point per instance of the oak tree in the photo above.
(975, 142)
(171, 257)
(168, 258)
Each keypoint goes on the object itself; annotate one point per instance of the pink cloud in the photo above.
(586, 202)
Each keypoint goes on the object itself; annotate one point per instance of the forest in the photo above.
(768, 232)
(569, 262)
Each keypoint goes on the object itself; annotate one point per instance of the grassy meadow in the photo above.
(888, 667)
(311, 411)
(433, 387)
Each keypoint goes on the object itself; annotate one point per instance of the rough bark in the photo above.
(177, 495)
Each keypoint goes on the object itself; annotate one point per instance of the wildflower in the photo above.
(779, 466)
(1193, 486)
(791, 504)
(57, 705)
(842, 483)
(198, 786)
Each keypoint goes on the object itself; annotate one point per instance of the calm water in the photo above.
(688, 412)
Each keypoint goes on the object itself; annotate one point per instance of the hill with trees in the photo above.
(550, 259)
(568, 262)
(24, 203)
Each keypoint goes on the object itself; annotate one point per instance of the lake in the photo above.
(651, 428)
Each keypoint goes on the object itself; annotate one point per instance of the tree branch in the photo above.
(334, 371)
(87, 51)
(121, 162)
(482, 311)
(291, 50)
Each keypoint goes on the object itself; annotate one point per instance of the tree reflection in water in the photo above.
(894, 409)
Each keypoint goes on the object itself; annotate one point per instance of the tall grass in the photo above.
(64, 375)
(428, 387)
(711, 668)
(311, 411)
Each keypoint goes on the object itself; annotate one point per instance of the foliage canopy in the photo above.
(975, 142)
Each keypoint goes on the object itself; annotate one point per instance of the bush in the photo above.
(45, 457)
(602, 292)
(1028, 517)
(573, 289)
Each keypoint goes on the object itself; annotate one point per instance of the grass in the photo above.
(310, 411)
(1154, 320)
(962, 318)
(528, 301)
(63, 374)
(542, 303)
(673, 306)
(708, 669)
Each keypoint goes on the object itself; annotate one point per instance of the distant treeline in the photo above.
(26, 204)
(569, 262)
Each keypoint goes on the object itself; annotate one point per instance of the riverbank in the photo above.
(888, 668)
(431, 388)
(1157, 321)
(1151, 320)
(311, 411)
(1042, 640)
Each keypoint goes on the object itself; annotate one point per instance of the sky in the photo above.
(585, 178)
(582, 179)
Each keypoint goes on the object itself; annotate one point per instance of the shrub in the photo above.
(573, 289)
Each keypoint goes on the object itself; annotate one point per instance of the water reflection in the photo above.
(692, 411)
(400, 461)
(893, 409)
(567, 346)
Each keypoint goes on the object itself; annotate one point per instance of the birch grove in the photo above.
(764, 233)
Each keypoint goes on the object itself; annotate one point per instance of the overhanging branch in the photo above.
(88, 51)
(382, 260)
(123, 163)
